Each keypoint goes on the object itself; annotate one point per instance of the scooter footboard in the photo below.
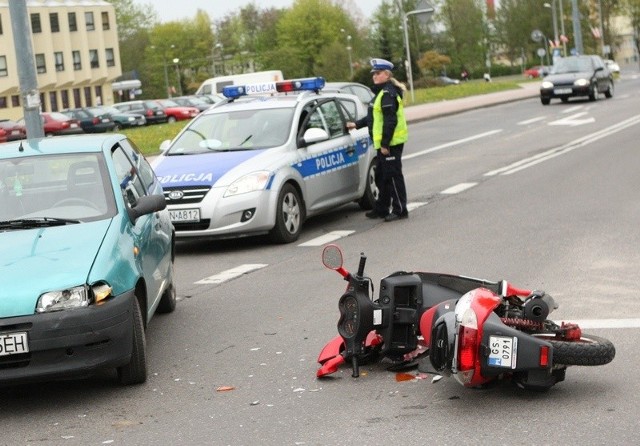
(507, 350)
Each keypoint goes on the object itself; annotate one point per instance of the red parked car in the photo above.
(56, 123)
(13, 130)
(176, 112)
(3, 135)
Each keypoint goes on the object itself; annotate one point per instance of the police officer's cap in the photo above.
(380, 65)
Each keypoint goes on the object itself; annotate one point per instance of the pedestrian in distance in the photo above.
(388, 130)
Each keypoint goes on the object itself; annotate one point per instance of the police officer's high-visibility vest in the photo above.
(400, 134)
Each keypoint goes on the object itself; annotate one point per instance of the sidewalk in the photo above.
(423, 112)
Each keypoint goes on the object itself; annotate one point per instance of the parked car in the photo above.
(87, 252)
(362, 91)
(91, 120)
(3, 135)
(212, 98)
(56, 123)
(263, 163)
(176, 112)
(576, 76)
(151, 110)
(613, 66)
(536, 71)
(192, 101)
(122, 120)
(13, 130)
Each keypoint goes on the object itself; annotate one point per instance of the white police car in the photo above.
(265, 159)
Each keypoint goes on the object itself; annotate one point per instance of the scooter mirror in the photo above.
(332, 257)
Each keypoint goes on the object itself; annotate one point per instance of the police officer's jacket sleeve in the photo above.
(389, 104)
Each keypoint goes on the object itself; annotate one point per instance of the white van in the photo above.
(216, 84)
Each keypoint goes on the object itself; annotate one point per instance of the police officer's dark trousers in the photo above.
(390, 182)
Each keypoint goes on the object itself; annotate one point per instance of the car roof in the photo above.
(81, 143)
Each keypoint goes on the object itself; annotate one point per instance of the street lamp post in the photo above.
(219, 45)
(562, 31)
(554, 19)
(349, 52)
(405, 17)
(176, 61)
(165, 69)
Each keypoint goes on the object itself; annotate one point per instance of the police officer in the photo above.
(388, 130)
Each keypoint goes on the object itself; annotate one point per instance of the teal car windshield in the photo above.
(235, 130)
(52, 189)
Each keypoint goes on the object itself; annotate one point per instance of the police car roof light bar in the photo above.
(306, 84)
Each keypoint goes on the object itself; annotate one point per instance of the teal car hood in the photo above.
(35, 261)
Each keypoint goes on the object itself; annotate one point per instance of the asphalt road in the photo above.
(545, 197)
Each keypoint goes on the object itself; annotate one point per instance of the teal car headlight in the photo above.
(249, 183)
(76, 297)
(581, 82)
(547, 84)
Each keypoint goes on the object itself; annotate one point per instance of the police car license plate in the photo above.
(503, 351)
(185, 215)
(563, 91)
(13, 343)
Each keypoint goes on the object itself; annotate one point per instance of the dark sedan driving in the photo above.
(577, 76)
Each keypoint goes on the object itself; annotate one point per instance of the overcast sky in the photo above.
(180, 9)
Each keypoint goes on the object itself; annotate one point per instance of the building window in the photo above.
(41, 65)
(77, 63)
(105, 21)
(15, 100)
(53, 100)
(77, 101)
(64, 98)
(88, 18)
(3, 66)
(111, 61)
(87, 96)
(0, 24)
(43, 106)
(36, 26)
(53, 21)
(93, 58)
(73, 24)
(59, 60)
(3, 102)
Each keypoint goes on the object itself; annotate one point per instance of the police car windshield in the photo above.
(235, 130)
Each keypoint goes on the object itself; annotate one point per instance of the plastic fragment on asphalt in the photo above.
(225, 388)
(436, 378)
(255, 403)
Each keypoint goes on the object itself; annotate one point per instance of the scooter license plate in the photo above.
(503, 351)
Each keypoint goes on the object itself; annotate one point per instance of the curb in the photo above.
(424, 112)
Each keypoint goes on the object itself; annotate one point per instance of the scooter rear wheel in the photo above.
(588, 350)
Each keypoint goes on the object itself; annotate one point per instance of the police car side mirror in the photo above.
(164, 145)
(312, 136)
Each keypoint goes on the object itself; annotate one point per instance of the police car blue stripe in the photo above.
(198, 170)
(326, 162)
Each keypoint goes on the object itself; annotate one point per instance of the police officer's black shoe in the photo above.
(394, 217)
(373, 214)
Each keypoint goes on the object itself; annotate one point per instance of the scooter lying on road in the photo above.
(476, 330)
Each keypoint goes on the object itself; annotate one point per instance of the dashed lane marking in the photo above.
(232, 273)
(458, 188)
(327, 238)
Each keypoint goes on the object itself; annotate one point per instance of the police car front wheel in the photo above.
(289, 216)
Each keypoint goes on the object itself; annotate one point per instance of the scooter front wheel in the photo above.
(588, 350)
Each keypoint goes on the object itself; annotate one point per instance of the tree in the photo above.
(467, 37)
(632, 7)
(303, 33)
(434, 62)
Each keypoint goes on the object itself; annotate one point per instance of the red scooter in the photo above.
(476, 330)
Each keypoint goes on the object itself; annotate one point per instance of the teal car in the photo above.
(86, 258)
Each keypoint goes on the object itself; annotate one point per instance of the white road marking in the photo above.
(576, 144)
(573, 120)
(606, 323)
(327, 238)
(532, 120)
(572, 109)
(231, 273)
(458, 188)
(415, 205)
(451, 144)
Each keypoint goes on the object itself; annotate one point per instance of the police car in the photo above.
(265, 159)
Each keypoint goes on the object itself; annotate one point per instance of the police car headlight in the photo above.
(248, 183)
(581, 82)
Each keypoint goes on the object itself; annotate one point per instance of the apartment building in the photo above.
(76, 55)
